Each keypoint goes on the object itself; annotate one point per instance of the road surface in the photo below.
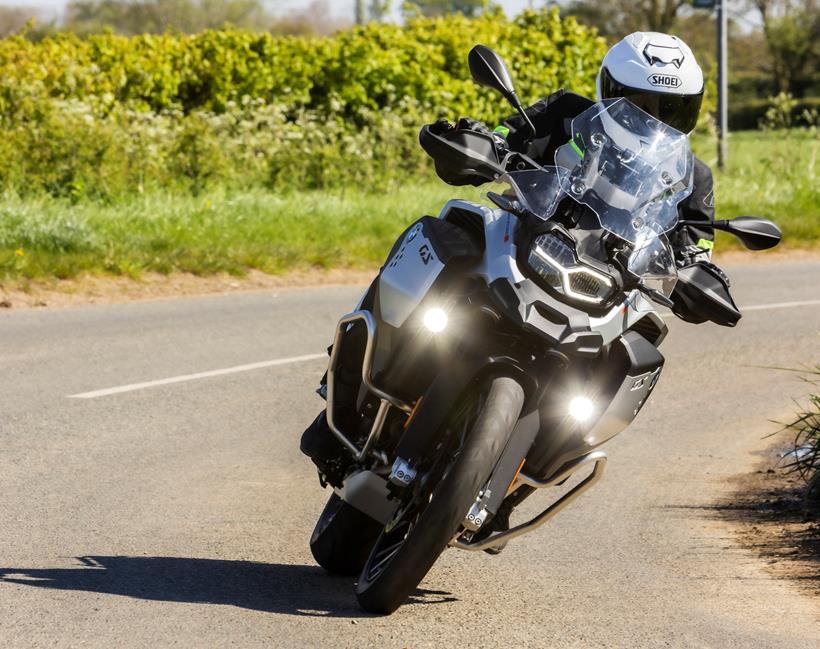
(168, 505)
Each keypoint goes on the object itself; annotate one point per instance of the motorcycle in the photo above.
(500, 347)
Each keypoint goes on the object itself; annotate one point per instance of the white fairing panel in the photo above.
(407, 277)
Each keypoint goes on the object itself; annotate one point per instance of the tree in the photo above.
(156, 16)
(441, 7)
(617, 18)
(792, 31)
(14, 19)
(378, 9)
(316, 18)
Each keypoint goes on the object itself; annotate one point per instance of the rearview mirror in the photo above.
(489, 70)
(754, 232)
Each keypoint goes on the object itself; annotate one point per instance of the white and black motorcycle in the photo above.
(499, 348)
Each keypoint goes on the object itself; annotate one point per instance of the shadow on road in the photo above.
(270, 587)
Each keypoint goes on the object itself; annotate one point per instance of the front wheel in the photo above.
(343, 537)
(429, 517)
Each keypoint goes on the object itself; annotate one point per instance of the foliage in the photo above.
(156, 16)
(441, 7)
(14, 19)
(617, 18)
(805, 459)
(752, 114)
(792, 31)
(108, 115)
(236, 227)
(780, 113)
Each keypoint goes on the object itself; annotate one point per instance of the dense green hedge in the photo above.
(108, 115)
(748, 115)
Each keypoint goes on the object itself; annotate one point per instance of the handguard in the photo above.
(462, 156)
(702, 293)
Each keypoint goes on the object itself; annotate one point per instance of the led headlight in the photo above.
(581, 409)
(554, 261)
(435, 320)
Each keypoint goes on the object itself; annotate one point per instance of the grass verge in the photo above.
(770, 174)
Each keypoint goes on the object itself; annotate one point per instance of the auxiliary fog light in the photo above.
(435, 320)
(581, 408)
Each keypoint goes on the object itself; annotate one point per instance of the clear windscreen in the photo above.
(538, 190)
(653, 261)
(629, 168)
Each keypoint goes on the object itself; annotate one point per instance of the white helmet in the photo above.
(656, 72)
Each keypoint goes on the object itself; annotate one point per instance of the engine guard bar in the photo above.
(598, 458)
(386, 399)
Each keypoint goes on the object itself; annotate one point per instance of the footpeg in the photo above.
(402, 474)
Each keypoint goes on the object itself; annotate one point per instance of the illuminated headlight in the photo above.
(555, 262)
(435, 320)
(581, 409)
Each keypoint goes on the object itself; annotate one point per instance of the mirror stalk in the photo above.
(516, 103)
(755, 233)
(656, 296)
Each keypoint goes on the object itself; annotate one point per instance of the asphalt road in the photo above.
(178, 514)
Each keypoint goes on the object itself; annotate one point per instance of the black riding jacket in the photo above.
(552, 118)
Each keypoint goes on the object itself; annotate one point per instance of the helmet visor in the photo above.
(678, 111)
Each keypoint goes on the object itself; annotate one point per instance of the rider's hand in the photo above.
(441, 126)
(467, 124)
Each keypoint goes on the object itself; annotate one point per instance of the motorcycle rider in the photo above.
(659, 74)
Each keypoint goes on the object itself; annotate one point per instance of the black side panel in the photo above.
(642, 355)
(470, 221)
(451, 242)
(618, 385)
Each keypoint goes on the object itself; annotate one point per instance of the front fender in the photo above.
(445, 392)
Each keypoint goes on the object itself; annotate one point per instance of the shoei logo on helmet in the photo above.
(665, 80)
(665, 55)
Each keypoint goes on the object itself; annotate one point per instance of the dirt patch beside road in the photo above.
(767, 513)
(151, 286)
(91, 289)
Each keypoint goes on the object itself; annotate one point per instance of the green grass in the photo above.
(770, 174)
(217, 232)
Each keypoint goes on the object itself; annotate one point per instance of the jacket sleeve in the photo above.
(698, 206)
(552, 119)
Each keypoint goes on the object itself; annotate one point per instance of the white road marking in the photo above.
(312, 357)
(779, 305)
(193, 377)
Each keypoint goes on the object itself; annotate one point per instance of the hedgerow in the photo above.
(110, 115)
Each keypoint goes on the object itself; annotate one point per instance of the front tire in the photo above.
(343, 538)
(410, 544)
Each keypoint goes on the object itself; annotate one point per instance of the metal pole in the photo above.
(723, 82)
